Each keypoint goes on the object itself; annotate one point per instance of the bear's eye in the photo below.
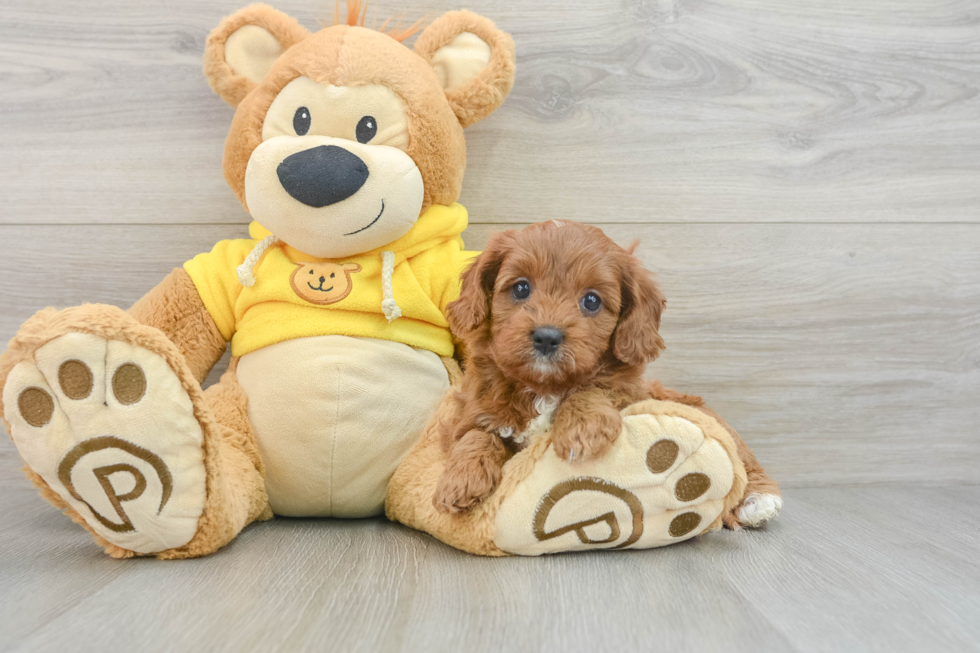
(301, 121)
(311, 271)
(590, 303)
(521, 289)
(332, 275)
(366, 129)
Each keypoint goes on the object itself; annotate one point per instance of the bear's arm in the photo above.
(175, 307)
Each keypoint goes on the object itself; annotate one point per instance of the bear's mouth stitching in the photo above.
(370, 225)
(320, 289)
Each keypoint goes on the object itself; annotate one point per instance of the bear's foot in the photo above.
(110, 428)
(670, 476)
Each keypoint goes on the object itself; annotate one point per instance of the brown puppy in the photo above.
(558, 324)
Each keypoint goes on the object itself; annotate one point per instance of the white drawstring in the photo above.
(388, 305)
(246, 274)
(390, 308)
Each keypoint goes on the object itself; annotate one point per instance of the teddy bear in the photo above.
(347, 151)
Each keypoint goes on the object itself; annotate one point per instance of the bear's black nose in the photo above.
(322, 279)
(322, 175)
(547, 340)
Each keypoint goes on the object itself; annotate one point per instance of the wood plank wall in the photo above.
(804, 177)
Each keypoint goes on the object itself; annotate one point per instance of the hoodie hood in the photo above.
(436, 226)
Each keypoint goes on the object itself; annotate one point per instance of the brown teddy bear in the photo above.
(347, 150)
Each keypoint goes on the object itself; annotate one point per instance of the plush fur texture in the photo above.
(478, 98)
(230, 85)
(356, 16)
(236, 493)
(175, 308)
(758, 481)
(349, 55)
(411, 489)
(235, 486)
(595, 372)
(171, 319)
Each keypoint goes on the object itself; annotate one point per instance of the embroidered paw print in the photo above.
(661, 482)
(110, 428)
(323, 283)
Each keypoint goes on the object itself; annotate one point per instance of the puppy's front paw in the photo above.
(460, 489)
(583, 436)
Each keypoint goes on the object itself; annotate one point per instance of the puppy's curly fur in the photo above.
(553, 278)
(605, 309)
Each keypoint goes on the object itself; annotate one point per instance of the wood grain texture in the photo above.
(843, 354)
(821, 578)
(805, 178)
(623, 111)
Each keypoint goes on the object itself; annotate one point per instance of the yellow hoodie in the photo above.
(297, 296)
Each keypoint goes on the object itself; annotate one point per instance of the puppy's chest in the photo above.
(541, 421)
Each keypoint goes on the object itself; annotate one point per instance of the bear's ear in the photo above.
(473, 60)
(241, 50)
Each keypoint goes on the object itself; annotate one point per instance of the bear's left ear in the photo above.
(473, 60)
(242, 49)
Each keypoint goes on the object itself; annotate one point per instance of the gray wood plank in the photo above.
(832, 574)
(655, 600)
(667, 111)
(859, 562)
(819, 578)
(844, 354)
(48, 565)
(307, 583)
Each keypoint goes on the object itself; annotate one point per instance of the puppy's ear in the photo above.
(472, 308)
(473, 60)
(637, 340)
(242, 49)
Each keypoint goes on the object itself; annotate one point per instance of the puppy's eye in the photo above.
(301, 121)
(590, 303)
(366, 129)
(521, 289)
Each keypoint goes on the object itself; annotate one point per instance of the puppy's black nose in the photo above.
(322, 175)
(547, 340)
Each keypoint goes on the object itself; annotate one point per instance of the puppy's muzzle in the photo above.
(322, 175)
(547, 340)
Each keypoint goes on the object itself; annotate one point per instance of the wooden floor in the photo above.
(805, 180)
(844, 569)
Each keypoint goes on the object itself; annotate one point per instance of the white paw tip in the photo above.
(757, 509)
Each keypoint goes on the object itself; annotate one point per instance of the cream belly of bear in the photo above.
(333, 417)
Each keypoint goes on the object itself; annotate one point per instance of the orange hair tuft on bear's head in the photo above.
(357, 13)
